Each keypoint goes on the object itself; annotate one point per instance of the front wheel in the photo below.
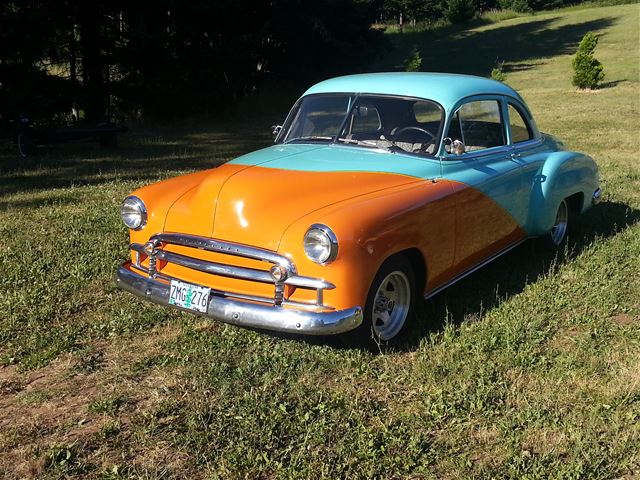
(390, 306)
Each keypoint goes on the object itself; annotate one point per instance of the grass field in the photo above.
(529, 368)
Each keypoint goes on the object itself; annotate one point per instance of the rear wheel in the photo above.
(558, 233)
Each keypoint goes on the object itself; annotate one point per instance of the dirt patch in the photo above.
(564, 340)
(624, 319)
(52, 406)
(545, 441)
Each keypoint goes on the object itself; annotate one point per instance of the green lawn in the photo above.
(529, 368)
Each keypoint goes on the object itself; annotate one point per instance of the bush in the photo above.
(588, 71)
(498, 72)
(413, 63)
(460, 11)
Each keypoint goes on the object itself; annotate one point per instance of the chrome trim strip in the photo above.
(242, 273)
(474, 268)
(244, 296)
(215, 268)
(527, 144)
(247, 314)
(229, 248)
(270, 301)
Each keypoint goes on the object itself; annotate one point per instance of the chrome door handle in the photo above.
(515, 155)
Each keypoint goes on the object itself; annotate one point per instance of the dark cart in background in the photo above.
(28, 137)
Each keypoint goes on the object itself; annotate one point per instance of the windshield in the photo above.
(372, 121)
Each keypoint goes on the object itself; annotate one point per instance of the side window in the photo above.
(520, 129)
(480, 125)
(365, 119)
(427, 112)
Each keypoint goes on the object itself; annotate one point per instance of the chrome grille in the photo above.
(153, 249)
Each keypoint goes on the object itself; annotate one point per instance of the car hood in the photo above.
(254, 199)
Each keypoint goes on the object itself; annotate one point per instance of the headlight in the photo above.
(320, 244)
(133, 213)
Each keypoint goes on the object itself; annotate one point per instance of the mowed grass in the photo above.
(529, 368)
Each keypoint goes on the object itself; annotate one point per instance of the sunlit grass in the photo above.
(526, 369)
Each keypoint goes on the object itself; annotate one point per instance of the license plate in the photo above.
(189, 296)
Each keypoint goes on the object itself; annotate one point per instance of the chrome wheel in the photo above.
(559, 229)
(391, 305)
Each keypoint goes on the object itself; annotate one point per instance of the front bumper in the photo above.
(248, 314)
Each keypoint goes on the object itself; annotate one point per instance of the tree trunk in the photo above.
(73, 55)
(92, 68)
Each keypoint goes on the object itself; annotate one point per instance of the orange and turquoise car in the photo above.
(380, 190)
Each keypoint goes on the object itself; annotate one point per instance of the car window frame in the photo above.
(429, 157)
(524, 114)
(449, 157)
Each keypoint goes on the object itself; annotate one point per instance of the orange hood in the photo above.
(254, 205)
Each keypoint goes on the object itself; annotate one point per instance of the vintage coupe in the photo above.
(380, 189)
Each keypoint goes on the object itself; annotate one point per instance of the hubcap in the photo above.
(559, 229)
(391, 305)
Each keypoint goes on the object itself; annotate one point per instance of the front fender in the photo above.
(562, 175)
(373, 227)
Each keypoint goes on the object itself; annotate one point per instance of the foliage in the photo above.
(497, 73)
(413, 62)
(588, 71)
(113, 57)
(460, 11)
(498, 15)
(520, 6)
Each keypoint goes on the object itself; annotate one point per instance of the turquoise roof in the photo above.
(444, 88)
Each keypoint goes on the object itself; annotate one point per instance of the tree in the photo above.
(459, 11)
(588, 71)
(172, 56)
(413, 63)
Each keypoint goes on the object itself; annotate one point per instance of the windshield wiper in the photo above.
(365, 143)
(393, 148)
(309, 137)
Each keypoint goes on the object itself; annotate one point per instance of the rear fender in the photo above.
(562, 174)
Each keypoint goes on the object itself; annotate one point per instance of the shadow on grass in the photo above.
(611, 84)
(472, 297)
(141, 157)
(475, 52)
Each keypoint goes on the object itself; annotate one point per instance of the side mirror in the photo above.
(275, 130)
(446, 141)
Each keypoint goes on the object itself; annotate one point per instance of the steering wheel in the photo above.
(398, 132)
(424, 146)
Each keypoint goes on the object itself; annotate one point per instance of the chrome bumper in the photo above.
(248, 314)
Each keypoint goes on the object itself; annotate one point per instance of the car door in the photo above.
(526, 148)
(487, 181)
